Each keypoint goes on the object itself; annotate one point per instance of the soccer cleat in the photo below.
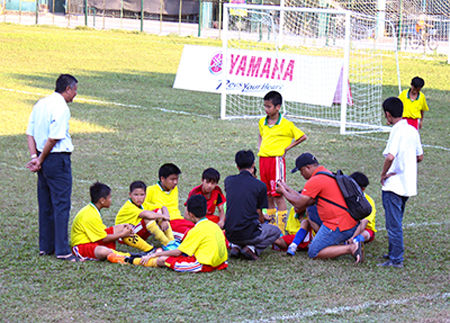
(291, 249)
(117, 259)
(172, 245)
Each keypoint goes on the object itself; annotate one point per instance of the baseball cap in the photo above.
(303, 160)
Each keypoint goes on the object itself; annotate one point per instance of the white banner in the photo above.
(299, 78)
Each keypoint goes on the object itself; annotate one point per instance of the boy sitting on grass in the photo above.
(302, 237)
(202, 250)
(366, 230)
(91, 240)
(213, 194)
(144, 221)
(165, 193)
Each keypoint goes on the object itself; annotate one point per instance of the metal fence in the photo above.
(204, 18)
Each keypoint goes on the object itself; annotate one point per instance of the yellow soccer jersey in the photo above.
(413, 109)
(87, 226)
(129, 213)
(157, 198)
(206, 242)
(371, 216)
(276, 138)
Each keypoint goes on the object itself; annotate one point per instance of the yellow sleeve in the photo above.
(129, 213)
(371, 216)
(87, 226)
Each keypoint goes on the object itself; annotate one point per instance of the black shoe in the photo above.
(391, 264)
(248, 253)
(234, 252)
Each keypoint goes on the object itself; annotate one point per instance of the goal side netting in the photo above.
(327, 64)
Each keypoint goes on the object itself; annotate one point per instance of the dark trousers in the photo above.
(269, 233)
(54, 189)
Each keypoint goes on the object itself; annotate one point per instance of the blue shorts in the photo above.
(326, 237)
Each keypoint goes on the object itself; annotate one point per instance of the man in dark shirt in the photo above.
(246, 197)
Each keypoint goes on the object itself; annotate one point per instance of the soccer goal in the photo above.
(326, 63)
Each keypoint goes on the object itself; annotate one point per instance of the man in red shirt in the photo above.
(338, 226)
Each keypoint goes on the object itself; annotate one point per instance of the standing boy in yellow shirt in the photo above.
(414, 103)
(276, 137)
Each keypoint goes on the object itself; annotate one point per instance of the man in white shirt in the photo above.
(399, 177)
(50, 148)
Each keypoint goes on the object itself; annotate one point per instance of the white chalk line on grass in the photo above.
(121, 104)
(345, 309)
(73, 179)
(118, 104)
(384, 140)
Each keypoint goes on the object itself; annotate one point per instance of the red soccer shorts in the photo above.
(413, 122)
(302, 246)
(86, 251)
(190, 264)
(180, 227)
(271, 170)
(371, 234)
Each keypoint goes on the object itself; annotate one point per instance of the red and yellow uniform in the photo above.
(412, 109)
(88, 231)
(205, 247)
(276, 138)
(157, 198)
(129, 213)
(216, 199)
(370, 227)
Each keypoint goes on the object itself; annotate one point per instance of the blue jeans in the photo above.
(326, 237)
(54, 190)
(394, 208)
(313, 215)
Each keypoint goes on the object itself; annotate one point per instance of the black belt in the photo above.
(61, 152)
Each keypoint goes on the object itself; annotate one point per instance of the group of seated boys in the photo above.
(194, 242)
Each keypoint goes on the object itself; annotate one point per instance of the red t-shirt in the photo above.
(332, 216)
(216, 199)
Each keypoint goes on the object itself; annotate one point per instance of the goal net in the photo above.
(326, 63)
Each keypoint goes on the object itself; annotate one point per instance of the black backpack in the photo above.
(357, 204)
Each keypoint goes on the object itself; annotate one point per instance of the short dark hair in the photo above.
(99, 190)
(244, 159)
(197, 206)
(417, 82)
(275, 97)
(136, 185)
(211, 175)
(64, 81)
(361, 179)
(394, 106)
(168, 169)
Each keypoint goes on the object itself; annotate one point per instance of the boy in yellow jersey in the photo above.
(366, 229)
(276, 137)
(144, 221)
(91, 240)
(165, 193)
(202, 250)
(414, 103)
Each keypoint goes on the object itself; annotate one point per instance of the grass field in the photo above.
(127, 120)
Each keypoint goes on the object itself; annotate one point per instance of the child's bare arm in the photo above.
(151, 215)
(120, 231)
(295, 143)
(221, 222)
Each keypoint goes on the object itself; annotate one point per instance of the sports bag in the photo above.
(357, 204)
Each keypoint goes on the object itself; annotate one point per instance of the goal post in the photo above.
(326, 63)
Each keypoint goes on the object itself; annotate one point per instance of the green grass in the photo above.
(119, 144)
